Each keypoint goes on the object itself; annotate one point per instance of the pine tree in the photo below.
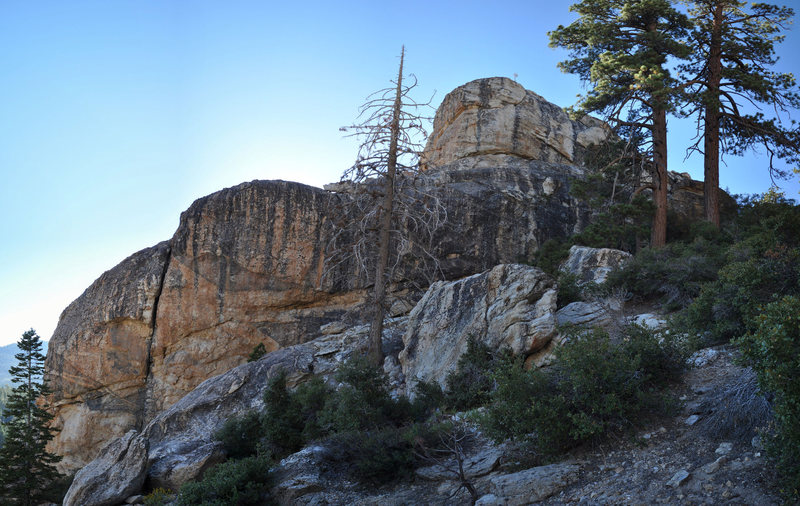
(622, 49)
(26, 467)
(733, 52)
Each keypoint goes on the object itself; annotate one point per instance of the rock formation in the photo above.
(498, 116)
(246, 264)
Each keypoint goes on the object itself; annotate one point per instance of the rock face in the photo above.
(98, 356)
(245, 267)
(498, 116)
(509, 306)
(246, 264)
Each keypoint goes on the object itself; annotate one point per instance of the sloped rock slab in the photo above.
(594, 264)
(114, 476)
(530, 485)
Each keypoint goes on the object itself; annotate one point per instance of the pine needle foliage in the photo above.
(26, 467)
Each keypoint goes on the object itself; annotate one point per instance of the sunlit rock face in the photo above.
(97, 358)
(498, 116)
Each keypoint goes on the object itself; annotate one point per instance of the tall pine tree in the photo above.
(731, 66)
(26, 467)
(623, 48)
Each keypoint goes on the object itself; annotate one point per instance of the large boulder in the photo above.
(510, 306)
(115, 475)
(498, 116)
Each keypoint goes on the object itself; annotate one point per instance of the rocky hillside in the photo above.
(144, 342)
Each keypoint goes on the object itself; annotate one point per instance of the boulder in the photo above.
(118, 473)
(588, 314)
(509, 306)
(497, 115)
(594, 264)
(529, 486)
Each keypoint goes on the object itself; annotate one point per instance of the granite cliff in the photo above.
(246, 265)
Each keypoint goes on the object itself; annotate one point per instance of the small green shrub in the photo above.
(773, 350)
(568, 289)
(158, 497)
(550, 255)
(673, 275)
(241, 482)
(595, 386)
(363, 402)
(239, 435)
(470, 385)
(259, 351)
(374, 456)
(727, 307)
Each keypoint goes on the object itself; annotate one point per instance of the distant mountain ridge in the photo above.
(7, 360)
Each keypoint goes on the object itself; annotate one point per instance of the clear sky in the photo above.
(116, 115)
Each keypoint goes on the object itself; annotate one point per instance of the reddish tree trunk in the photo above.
(712, 115)
(658, 236)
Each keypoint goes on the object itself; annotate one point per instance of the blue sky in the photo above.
(116, 115)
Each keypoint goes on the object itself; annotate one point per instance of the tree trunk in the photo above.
(375, 353)
(712, 115)
(658, 236)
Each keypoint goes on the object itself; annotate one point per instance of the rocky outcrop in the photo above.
(97, 360)
(510, 306)
(594, 264)
(246, 265)
(498, 116)
(529, 486)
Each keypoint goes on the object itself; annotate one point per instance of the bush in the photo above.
(595, 386)
(673, 275)
(363, 402)
(727, 307)
(259, 351)
(550, 255)
(158, 497)
(235, 482)
(239, 434)
(374, 456)
(568, 289)
(470, 385)
(773, 350)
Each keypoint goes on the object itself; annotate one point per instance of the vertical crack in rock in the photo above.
(145, 398)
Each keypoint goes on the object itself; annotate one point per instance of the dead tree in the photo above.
(389, 222)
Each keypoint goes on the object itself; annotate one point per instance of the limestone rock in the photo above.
(110, 479)
(529, 486)
(509, 306)
(97, 358)
(594, 264)
(497, 115)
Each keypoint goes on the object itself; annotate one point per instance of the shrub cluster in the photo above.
(242, 482)
(368, 433)
(773, 350)
(596, 385)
